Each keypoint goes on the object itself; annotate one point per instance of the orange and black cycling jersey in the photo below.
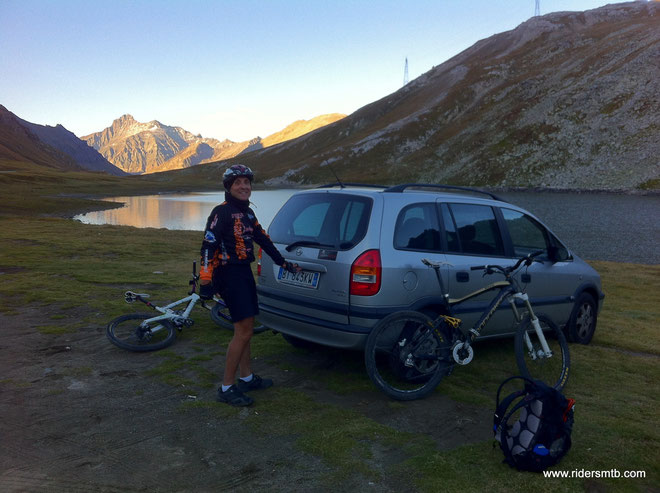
(229, 234)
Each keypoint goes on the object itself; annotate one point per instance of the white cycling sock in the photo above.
(225, 388)
(248, 378)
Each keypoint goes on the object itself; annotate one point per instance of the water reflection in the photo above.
(187, 211)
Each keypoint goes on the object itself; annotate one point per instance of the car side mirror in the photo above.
(558, 254)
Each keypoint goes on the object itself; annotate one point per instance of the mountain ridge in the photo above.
(566, 100)
(150, 147)
(54, 147)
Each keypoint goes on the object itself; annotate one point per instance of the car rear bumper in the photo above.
(312, 329)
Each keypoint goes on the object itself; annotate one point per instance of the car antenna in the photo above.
(333, 172)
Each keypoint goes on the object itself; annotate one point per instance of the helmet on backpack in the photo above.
(234, 172)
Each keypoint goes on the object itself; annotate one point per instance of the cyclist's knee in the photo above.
(244, 328)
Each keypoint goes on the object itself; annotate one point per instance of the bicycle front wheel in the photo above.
(407, 356)
(130, 333)
(220, 315)
(533, 362)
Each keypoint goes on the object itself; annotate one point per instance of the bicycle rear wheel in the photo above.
(533, 363)
(128, 332)
(406, 356)
(220, 315)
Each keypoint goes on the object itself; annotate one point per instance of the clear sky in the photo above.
(230, 69)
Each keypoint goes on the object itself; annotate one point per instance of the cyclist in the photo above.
(227, 252)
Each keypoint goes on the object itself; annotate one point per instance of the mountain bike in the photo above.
(144, 332)
(407, 353)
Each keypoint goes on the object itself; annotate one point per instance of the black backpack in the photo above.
(541, 435)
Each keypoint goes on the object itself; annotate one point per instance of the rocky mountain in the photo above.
(152, 147)
(54, 147)
(300, 127)
(141, 147)
(565, 100)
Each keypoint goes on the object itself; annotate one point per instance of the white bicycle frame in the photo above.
(167, 312)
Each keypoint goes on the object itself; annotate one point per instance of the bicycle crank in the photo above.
(462, 353)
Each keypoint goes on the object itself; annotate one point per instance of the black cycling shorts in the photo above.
(235, 283)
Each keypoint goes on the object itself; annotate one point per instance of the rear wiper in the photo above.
(307, 243)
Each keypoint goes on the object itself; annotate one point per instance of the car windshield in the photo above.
(323, 220)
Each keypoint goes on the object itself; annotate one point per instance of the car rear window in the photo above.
(329, 219)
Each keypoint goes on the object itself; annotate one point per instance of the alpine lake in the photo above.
(595, 226)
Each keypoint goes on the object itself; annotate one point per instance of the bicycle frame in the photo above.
(167, 312)
(407, 354)
(507, 290)
(505, 287)
(142, 332)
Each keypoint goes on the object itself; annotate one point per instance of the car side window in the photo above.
(476, 229)
(417, 228)
(527, 235)
(557, 251)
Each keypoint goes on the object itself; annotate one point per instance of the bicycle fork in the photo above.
(545, 351)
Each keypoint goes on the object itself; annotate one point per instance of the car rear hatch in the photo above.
(318, 230)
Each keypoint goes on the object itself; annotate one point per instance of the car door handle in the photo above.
(462, 276)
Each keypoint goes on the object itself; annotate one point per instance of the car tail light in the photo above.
(366, 274)
(259, 262)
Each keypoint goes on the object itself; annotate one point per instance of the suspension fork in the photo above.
(535, 323)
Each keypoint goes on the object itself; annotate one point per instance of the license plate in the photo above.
(304, 278)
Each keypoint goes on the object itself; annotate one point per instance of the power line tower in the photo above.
(405, 73)
(537, 8)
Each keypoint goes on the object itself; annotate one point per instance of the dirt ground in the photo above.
(79, 414)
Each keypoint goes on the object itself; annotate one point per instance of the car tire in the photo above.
(582, 323)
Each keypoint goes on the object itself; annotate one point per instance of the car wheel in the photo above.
(582, 324)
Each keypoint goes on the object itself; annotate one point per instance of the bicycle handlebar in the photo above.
(527, 260)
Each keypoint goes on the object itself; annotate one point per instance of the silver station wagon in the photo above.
(361, 249)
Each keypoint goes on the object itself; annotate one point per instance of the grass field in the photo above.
(66, 267)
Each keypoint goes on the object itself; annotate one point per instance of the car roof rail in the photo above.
(344, 185)
(401, 188)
